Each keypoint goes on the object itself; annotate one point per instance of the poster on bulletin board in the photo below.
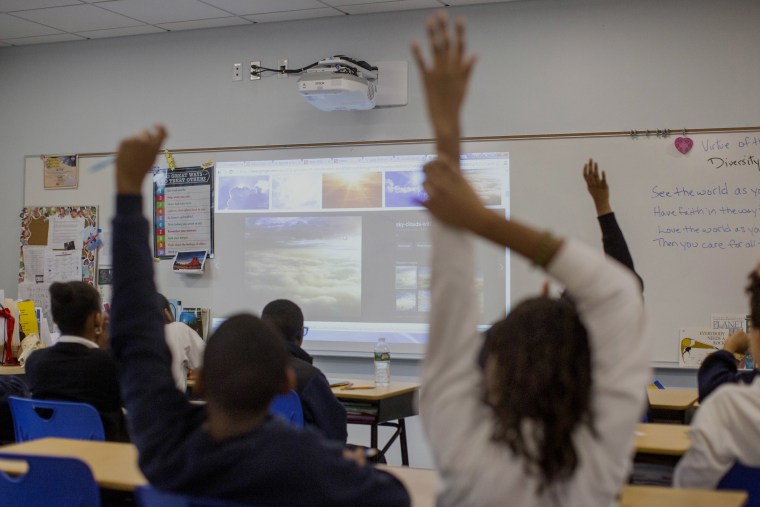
(58, 244)
(183, 215)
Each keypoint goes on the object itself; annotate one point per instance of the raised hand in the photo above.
(135, 158)
(597, 187)
(445, 80)
(451, 199)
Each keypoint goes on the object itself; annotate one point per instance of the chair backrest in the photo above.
(288, 406)
(66, 419)
(49, 480)
(148, 496)
(744, 478)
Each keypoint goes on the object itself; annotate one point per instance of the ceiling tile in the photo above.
(399, 5)
(164, 11)
(77, 18)
(25, 5)
(205, 23)
(454, 3)
(11, 26)
(243, 7)
(274, 17)
(340, 3)
(121, 32)
(44, 39)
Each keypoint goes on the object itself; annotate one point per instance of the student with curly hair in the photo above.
(550, 419)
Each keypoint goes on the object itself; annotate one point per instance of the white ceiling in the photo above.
(43, 21)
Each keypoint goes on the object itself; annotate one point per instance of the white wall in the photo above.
(545, 66)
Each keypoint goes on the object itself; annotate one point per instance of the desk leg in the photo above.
(402, 441)
(373, 436)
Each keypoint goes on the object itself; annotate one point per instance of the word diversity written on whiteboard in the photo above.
(717, 211)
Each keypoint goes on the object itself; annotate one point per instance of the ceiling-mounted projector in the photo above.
(339, 84)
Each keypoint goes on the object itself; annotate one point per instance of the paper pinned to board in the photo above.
(65, 233)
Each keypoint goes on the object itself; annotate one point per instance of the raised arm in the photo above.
(154, 405)
(613, 240)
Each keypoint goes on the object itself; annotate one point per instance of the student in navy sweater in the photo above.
(77, 368)
(231, 448)
(321, 410)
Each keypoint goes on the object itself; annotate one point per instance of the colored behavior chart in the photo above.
(182, 210)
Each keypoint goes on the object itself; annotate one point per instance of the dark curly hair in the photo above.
(542, 376)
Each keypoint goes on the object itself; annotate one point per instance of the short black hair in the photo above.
(71, 303)
(244, 365)
(286, 316)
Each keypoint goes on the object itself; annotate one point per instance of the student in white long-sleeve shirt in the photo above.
(726, 428)
(551, 418)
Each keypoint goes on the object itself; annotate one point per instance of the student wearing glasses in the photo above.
(321, 410)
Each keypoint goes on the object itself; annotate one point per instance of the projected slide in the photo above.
(316, 260)
(348, 240)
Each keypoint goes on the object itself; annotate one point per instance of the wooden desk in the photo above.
(662, 439)
(420, 482)
(381, 406)
(671, 404)
(114, 465)
(422, 486)
(12, 370)
(656, 496)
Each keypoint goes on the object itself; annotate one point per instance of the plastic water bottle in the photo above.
(382, 363)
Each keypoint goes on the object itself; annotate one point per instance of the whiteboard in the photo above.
(690, 219)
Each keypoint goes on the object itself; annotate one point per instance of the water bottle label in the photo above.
(382, 356)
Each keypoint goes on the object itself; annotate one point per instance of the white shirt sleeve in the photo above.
(186, 347)
(459, 425)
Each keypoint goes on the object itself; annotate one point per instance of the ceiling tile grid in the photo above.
(24, 22)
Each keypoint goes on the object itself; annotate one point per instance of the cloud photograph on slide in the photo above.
(487, 185)
(296, 191)
(242, 193)
(313, 260)
(403, 189)
(352, 190)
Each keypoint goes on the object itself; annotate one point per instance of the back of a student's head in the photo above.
(286, 317)
(244, 365)
(71, 304)
(538, 370)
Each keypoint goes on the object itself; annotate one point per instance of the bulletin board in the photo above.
(57, 244)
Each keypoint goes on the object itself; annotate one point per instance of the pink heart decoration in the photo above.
(684, 144)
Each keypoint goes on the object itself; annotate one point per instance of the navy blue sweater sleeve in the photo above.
(322, 410)
(720, 368)
(158, 415)
(615, 245)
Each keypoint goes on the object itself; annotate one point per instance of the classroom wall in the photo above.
(545, 66)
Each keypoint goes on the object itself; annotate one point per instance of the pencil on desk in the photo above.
(354, 388)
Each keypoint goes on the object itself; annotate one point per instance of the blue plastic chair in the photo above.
(744, 478)
(148, 496)
(288, 406)
(49, 480)
(67, 420)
